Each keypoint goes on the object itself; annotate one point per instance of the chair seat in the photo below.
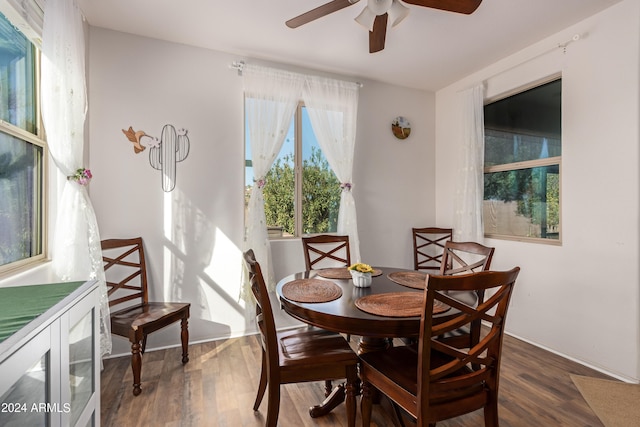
(326, 348)
(146, 316)
(400, 365)
(403, 364)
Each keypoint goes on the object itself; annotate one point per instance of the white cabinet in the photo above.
(49, 355)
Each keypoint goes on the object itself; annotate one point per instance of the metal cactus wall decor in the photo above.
(164, 153)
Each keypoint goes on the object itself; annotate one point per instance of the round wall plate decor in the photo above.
(401, 127)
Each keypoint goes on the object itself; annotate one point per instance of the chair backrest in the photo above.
(125, 271)
(460, 377)
(428, 247)
(325, 251)
(465, 257)
(264, 314)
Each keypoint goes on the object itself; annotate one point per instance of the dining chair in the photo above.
(325, 250)
(298, 355)
(465, 258)
(428, 247)
(433, 381)
(133, 316)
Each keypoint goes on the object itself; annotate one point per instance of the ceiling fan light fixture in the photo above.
(374, 8)
(379, 7)
(397, 13)
(366, 18)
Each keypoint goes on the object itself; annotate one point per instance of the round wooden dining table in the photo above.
(343, 315)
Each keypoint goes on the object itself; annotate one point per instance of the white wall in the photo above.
(394, 179)
(194, 234)
(580, 299)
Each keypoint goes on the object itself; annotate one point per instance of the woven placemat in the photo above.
(397, 304)
(342, 273)
(311, 290)
(411, 279)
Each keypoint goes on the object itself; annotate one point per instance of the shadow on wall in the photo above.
(202, 266)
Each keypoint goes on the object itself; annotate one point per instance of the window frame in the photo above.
(37, 139)
(297, 172)
(528, 164)
(298, 169)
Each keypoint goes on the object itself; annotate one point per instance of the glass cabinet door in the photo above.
(25, 387)
(81, 365)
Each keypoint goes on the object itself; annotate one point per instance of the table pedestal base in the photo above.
(369, 344)
(336, 397)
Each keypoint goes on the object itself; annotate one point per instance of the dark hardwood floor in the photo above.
(217, 388)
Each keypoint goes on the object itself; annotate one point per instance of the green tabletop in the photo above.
(19, 305)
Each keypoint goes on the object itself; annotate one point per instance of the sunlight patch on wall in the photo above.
(201, 265)
(225, 267)
(167, 216)
(167, 265)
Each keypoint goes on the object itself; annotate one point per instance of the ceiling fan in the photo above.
(377, 13)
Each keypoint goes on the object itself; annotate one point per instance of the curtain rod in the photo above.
(239, 66)
(562, 46)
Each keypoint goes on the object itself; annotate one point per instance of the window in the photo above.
(522, 165)
(301, 192)
(22, 151)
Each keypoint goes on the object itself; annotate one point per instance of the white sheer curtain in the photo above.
(333, 109)
(76, 243)
(469, 192)
(271, 98)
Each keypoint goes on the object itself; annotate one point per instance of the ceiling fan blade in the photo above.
(319, 12)
(379, 33)
(459, 6)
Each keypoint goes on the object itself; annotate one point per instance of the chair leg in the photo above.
(491, 412)
(273, 404)
(262, 386)
(136, 367)
(365, 404)
(184, 337)
(351, 388)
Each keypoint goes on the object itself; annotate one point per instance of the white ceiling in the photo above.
(428, 50)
